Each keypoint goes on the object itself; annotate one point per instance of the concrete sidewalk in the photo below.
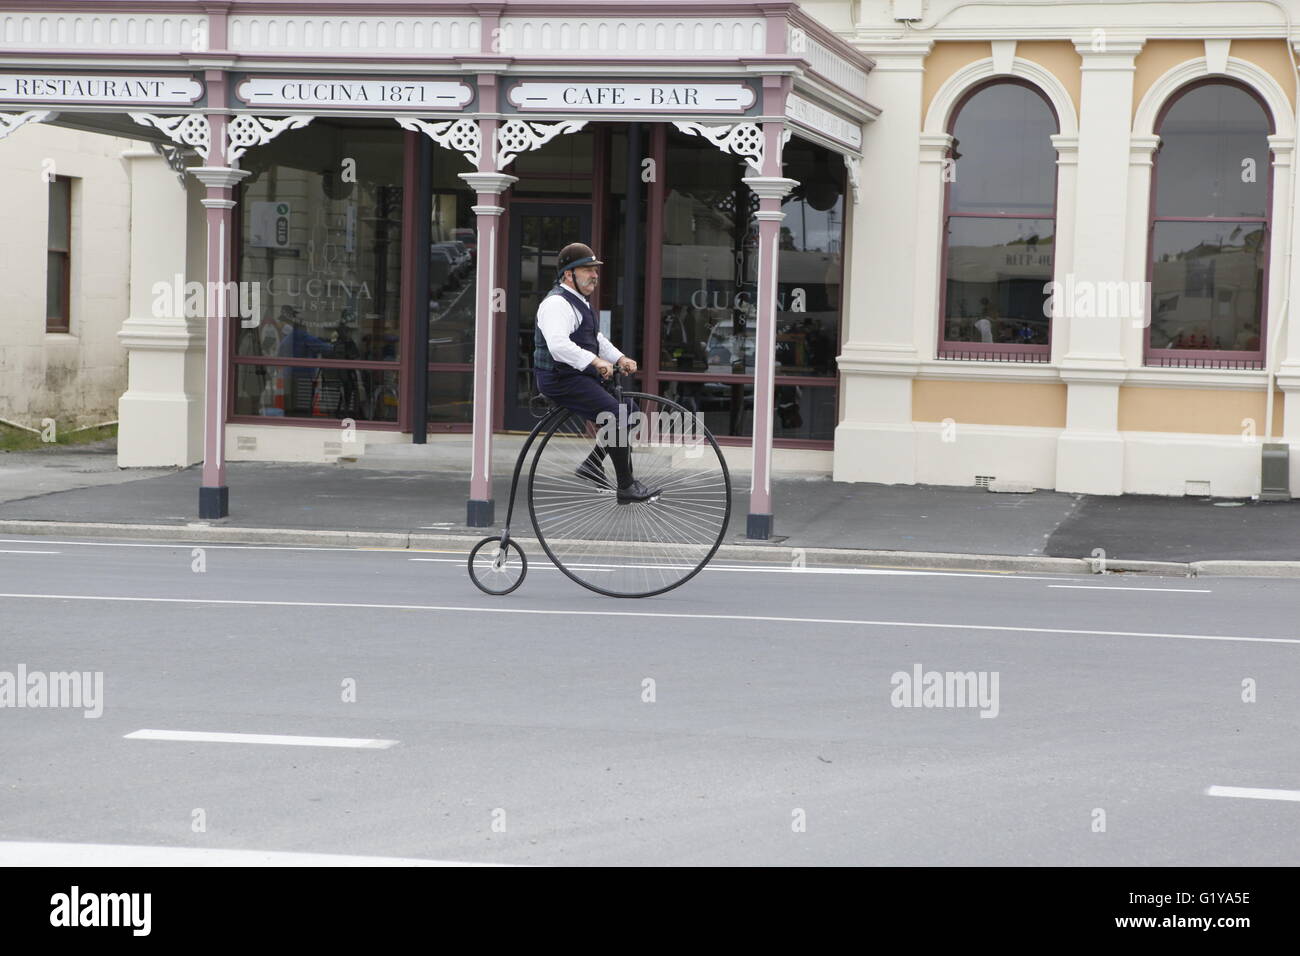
(83, 486)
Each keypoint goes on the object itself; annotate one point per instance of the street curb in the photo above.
(776, 554)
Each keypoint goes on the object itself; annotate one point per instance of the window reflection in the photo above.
(1000, 234)
(1207, 284)
(997, 271)
(708, 317)
(1209, 237)
(323, 239)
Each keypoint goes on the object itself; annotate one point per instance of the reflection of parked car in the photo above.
(467, 238)
(724, 344)
(460, 260)
(442, 267)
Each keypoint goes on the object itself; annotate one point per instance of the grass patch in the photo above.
(15, 439)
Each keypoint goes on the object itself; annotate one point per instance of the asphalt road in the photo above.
(518, 729)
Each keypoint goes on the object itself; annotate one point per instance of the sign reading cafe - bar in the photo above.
(99, 88)
(638, 97)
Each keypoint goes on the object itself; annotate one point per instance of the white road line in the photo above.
(214, 546)
(759, 569)
(106, 854)
(1254, 793)
(1107, 587)
(31, 552)
(199, 736)
(571, 612)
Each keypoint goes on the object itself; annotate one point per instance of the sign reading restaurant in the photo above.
(342, 92)
(639, 97)
(809, 114)
(98, 88)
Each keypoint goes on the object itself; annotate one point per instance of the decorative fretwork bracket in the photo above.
(187, 129)
(11, 121)
(743, 139)
(854, 167)
(174, 157)
(460, 135)
(519, 136)
(246, 131)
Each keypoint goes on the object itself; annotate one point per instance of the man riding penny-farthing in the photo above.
(661, 517)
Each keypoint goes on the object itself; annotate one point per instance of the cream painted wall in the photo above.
(1110, 425)
(74, 378)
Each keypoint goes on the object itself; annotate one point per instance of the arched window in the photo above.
(1209, 229)
(999, 225)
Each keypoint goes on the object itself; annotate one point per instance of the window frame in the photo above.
(400, 367)
(957, 351)
(1209, 358)
(653, 371)
(63, 324)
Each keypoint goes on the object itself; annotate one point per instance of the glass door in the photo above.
(538, 231)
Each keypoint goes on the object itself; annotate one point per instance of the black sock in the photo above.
(622, 458)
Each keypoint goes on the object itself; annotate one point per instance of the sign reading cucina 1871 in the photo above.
(98, 88)
(344, 92)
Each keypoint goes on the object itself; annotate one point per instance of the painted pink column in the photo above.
(488, 185)
(770, 190)
(219, 202)
(214, 496)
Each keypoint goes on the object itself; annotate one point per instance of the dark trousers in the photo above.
(585, 394)
(581, 392)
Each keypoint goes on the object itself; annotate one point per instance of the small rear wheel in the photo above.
(497, 570)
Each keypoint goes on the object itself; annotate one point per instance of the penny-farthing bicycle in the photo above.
(628, 550)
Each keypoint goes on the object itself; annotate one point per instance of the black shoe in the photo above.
(637, 492)
(594, 471)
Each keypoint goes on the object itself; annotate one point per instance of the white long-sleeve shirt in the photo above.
(558, 318)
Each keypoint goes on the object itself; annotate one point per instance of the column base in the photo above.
(214, 502)
(1090, 463)
(758, 526)
(480, 514)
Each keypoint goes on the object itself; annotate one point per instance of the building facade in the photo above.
(937, 242)
(66, 264)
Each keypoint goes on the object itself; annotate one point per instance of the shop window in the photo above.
(999, 226)
(708, 317)
(562, 169)
(58, 260)
(1209, 229)
(321, 234)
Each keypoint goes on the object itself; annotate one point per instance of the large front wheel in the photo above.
(635, 549)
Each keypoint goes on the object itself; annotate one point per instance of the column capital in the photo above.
(219, 177)
(1141, 150)
(896, 56)
(770, 187)
(1093, 370)
(494, 183)
(935, 147)
(1100, 52)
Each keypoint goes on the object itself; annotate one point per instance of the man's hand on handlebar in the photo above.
(606, 369)
(626, 365)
